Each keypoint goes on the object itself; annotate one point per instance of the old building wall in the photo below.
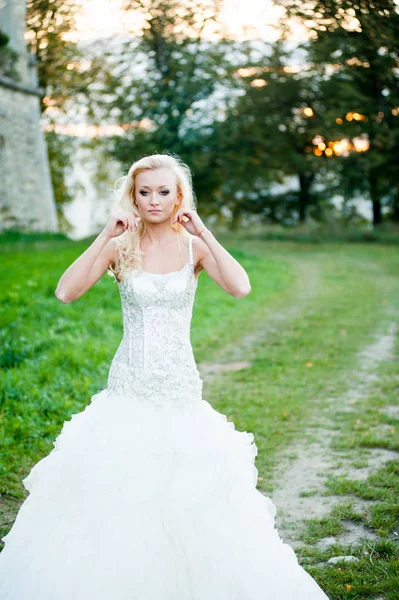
(26, 194)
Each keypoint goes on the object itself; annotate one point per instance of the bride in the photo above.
(149, 493)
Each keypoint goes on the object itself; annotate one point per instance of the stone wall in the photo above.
(26, 194)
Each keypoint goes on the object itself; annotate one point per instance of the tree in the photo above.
(163, 89)
(48, 23)
(67, 73)
(269, 136)
(357, 42)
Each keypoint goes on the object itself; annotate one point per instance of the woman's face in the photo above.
(156, 190)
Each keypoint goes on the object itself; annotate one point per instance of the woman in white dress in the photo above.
(149, 493)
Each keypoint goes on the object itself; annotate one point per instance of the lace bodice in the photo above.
(154, 361)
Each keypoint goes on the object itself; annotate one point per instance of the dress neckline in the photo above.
(162, 274)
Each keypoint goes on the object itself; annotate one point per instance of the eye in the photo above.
(163, 192)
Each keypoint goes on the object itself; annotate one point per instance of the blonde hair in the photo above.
(128, 254)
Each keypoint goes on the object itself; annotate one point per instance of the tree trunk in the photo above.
(375, 199)
(236, 217)
(305, 182)
(395, 208)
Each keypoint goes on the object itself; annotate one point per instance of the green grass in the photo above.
(54, 357)
(297, 367)
(374, 575)
(312, 308)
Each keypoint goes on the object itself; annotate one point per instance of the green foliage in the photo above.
(64, 70)
(240, 132)
(170, 107)
(180, 70)
(354, 45)
(270, 124)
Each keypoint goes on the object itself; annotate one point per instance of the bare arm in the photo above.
(86, 270)
(223, 268)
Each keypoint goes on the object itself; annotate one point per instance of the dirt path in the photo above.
(316, 459)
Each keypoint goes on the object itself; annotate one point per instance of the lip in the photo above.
(154, 211)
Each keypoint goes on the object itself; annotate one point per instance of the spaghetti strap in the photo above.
(190, 249)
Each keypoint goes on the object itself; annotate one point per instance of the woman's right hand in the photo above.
(119, 222)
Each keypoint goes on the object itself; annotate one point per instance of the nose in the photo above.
(154, 199)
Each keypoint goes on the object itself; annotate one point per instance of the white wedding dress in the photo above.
(149, 493)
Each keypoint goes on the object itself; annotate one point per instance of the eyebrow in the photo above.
(160, 186)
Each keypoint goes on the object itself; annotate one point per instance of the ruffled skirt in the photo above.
(141, 502)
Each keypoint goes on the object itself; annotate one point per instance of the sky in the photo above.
(249, 19)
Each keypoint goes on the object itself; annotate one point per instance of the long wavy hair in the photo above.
(128, 253)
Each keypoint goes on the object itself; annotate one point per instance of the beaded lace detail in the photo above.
(154, 361)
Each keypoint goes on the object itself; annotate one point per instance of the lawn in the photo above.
(312, 308)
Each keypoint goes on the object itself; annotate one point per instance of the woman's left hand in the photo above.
(190, 220)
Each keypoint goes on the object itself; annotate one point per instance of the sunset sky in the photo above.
(250, 19)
